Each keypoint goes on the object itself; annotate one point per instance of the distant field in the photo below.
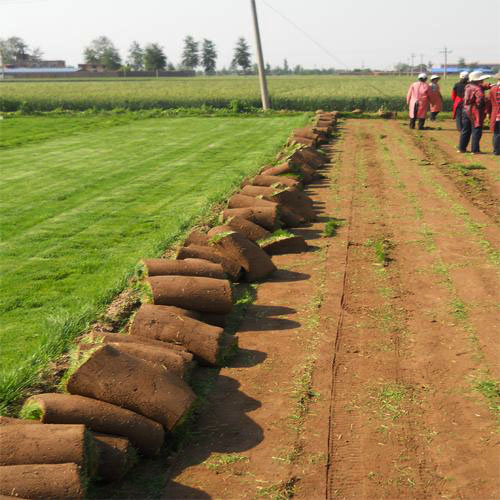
(303, 93)
(81, 205)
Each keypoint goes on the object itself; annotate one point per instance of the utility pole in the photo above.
(446, 51)
(421, 63)
(412, 62)
(260, 60)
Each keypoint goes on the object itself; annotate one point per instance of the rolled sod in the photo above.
(250, 190)
(283, 168)
(108, 338)
(200, 294)
(118, 378)
(297, 139)
(297, 201)
(187, 267)
(249, 229)
(42, 482)
(208, 343)
(196, 237)
(256, 263)
(16, 421)
(309, 156)
(305, 132)
(171, 360)
(231, 268)
(47, 444)
(281, 246)
(287, 168)
(116, 456)
(52, 408)
(243, 201)
(266, 217)
(274, 180)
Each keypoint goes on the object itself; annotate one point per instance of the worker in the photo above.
(437, 98)
(495, 115)
(473, 113)
(418, 98)
(457, 95)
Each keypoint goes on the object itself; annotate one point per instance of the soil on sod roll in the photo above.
(119, 338)
(47, 444)
(145, 434)
(297, 201)
(266, 217)
(208, 343)
(274, 181)
(231, 268)
(297, 139)
(308, 156)
(186, 267)
(243, 201)
(200, 294)
(306, 132)
(15, 421)
(281, 246)
(283, 168)
(116, 456)
(196, 237)
(250, 230)
(118, 378)
(171, 360)
(256, 263)
(42, 482)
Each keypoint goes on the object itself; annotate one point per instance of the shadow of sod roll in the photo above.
(208, 343)
(48, 444)
(256, 263)
(231, 268)
(249, 229)
(266, 217)
(113, 376)
(53, 408)
(116, 456)
(43, 481)
(186, 267)
(200, 294)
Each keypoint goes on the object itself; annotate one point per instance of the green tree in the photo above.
(208, 56)
(286, 68)
(102, 51)
(461, 62)
(14, 48)
(154, 57)
(241, 55)
(190, 53)
(135, 56)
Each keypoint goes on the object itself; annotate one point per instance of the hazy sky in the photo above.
(372, 33)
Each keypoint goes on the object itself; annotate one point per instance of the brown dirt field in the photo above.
(368, 363)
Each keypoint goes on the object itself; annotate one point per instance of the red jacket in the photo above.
(457, 95)
(495, 104)
(475, 104)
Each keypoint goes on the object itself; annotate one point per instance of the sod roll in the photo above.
(281, 246)
(187, 267)
(196, 237)
(52, 408)
(274, 181)
(266, 217)
(250, 230)
(118, 378)
(16, 421)
(243, 201)
(116, 456)
(42, 482)
(200, 294)
(47, 444)
(208, 343)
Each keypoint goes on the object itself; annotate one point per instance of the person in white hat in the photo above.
(473, 113)
(495, 115)
(457, 96)
(437, 98)
(418, 98)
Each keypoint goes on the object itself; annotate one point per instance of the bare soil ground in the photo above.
(369, 364)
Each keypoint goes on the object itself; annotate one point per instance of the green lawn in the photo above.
(79, 209)
(342, 93)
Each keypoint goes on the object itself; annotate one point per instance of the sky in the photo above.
(313, 33)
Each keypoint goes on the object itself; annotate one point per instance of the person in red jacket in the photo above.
(495, 115)
(418, 98)
(457, 96)
(473, 113)
(437, 98)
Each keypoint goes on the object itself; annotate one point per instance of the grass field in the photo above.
(84, 202)
(302, 93)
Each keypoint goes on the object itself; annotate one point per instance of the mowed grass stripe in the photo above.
(162, 174)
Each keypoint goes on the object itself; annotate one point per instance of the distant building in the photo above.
(92, 68)
(25, 61)
(487, 69)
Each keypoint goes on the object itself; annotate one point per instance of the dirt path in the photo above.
(369, 363)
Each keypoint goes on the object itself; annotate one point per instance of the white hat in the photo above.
(433, 77)
(422, 76)
(477, 76)
(464, 74)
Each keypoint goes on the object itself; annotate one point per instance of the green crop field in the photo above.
(84, 198)
(302, 93)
